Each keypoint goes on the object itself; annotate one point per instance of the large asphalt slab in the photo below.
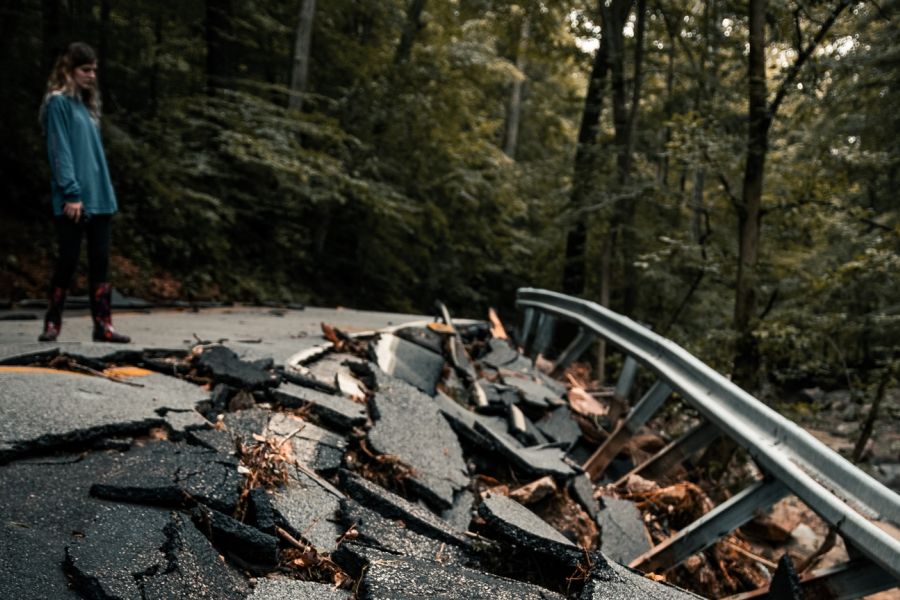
(252, 332)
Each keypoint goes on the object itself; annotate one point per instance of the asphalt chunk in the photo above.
(246, 545)
(44, 503)
(501, 353)
(139, 552)
(280, 588)
(225, 366)
(173, 475)
(409, 425)
(389, 576)
(559, 425)
(512, 522)
(317, 448)
(582, 491)
(394, 537)
(623, 536)
(306, 508)
(337, 412)
(392, 506)
(42, 411)
(408, 361)
(611, 581)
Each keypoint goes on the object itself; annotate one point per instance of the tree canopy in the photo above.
(448, 150)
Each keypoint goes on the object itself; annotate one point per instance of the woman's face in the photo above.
(85, 76)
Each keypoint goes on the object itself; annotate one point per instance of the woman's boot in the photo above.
(53, 318)
(101, 296)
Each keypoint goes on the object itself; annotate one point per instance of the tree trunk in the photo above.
(576, 238)
(514, 113)
(52, 28)
(103, 51)
(302, 44)
(154, 73)
(217, 30)
(412, 26)
(746, 360)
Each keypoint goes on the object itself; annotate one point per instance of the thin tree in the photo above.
(302, 44)
(761, 115)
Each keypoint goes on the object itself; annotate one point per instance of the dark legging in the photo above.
(68, 235)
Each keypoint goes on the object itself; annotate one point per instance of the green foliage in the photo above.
(390, 188)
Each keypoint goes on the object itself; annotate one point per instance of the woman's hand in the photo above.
(73, 210)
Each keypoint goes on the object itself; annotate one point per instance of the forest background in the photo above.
(725, 172)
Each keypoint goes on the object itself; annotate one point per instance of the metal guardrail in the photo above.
(792, 459)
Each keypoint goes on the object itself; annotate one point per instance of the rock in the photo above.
(623, 536)
(560, 426)
(392, 506)
(173, 475)
(837, 399)
(407, 361)
(317, 448)
(224, 366)
(308, 509)
(611, 581)
(851, 412)
(514, 523)
(136, 552)
(535, 491)
(44, 410)
(280, 588)
(409, 426)
(337, 412)
(249, 546)
(582, 491)
(388, 576)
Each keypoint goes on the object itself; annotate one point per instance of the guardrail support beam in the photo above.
(673, 454)
(847, 581)
(640, 414)
(706, 530)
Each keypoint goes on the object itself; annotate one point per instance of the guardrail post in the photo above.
(527, 324)
(706, 530)
(626, 377)
(582, 342)
(640, 414)
(665, 460)
(546, 327)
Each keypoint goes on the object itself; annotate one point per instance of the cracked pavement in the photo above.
(218, 461)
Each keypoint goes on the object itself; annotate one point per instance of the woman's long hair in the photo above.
(62, 82)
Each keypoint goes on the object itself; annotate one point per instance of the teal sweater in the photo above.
(77, 160)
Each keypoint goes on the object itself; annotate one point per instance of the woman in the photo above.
(83, 196)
